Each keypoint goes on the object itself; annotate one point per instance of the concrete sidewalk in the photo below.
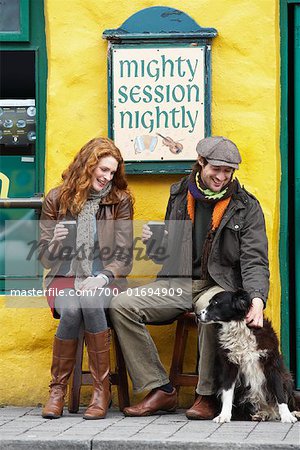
(24, 428)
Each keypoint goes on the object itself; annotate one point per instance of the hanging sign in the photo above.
(159, 89)
(158, 98)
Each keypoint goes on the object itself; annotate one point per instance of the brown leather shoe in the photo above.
(204, 408)
(156, 400)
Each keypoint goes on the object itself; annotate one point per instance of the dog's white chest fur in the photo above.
(242, 349)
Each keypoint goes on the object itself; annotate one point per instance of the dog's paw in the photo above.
(296, 414)
(260, 416)
(222, 418)
(288, 417)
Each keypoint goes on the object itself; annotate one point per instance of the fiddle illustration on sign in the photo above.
(174, 147)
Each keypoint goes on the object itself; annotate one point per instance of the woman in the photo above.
(94, 194)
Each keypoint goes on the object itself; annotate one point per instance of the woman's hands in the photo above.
(92, 283)
(60, 233)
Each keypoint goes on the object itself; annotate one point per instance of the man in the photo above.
(225, 250)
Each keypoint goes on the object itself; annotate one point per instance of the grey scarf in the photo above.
(82, 263)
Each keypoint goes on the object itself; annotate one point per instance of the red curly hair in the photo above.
(77, 178)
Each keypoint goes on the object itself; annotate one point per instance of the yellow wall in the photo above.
(245, 108)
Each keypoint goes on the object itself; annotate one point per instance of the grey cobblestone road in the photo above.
(24, 428)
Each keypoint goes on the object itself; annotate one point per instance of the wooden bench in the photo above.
(185, 323)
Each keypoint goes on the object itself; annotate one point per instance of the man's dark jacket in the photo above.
(239, 253)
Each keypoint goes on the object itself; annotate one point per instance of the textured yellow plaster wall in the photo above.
(245, 108)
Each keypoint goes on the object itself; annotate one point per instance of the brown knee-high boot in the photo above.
(98, 345)
(64, 356)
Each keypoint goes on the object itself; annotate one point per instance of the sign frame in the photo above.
(130, 36)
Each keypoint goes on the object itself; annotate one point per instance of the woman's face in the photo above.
(104, 172)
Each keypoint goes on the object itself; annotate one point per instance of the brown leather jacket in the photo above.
(115, 234)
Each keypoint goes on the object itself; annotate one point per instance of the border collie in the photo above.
(248, 361)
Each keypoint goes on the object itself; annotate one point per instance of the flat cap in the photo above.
(219, 151)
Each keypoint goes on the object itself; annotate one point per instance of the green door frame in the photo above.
(284, 197)
(297, 183)
(285, 7)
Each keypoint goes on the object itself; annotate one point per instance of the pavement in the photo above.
(24, 428)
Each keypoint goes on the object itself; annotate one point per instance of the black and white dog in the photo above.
(248, 361)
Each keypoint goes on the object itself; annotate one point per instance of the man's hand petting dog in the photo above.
(255, 316)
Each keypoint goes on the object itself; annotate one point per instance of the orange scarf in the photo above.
(218, 212)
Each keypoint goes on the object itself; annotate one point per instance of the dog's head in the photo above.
(226, 306)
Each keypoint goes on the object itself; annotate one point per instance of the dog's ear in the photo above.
(241, 301)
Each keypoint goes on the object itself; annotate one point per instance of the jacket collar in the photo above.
(240, 197)
(180, 186)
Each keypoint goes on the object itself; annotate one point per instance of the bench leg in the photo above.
(178, 353)
(123, 394)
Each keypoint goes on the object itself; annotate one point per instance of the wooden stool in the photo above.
(83, 377)
(185, 323)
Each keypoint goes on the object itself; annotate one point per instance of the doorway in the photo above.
(290, 184)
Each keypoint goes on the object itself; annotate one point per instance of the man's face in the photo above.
(215, 177)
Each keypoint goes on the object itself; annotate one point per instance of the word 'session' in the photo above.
(159, 92)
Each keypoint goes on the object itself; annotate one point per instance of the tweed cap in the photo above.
(219, 151)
